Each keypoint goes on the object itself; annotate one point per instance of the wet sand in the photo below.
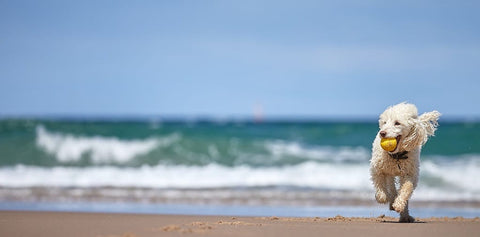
(60, 224)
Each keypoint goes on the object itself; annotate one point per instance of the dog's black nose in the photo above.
(383, 133)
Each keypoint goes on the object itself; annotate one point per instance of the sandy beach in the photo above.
(53, 224)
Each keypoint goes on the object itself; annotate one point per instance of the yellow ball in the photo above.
(388, 144)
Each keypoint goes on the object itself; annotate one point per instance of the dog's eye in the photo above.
(397, 123)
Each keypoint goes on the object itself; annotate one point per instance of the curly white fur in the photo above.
(412, 132)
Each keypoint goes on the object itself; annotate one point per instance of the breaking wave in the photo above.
(321, 153)
(69, 148)
(437, 181)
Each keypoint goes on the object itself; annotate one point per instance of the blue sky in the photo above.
(226, 59)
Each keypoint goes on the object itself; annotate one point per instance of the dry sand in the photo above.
(56, 224)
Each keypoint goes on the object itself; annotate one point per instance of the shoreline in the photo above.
(53, 224)
(266, 196)
(234, 210)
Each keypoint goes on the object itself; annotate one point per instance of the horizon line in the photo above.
(213, 118)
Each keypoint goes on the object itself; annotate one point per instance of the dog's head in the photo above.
(402, 122)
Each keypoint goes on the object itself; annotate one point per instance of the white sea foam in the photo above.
(453, 182)
(324, 153)
(455, 175)
(67, 147)
(211, 176)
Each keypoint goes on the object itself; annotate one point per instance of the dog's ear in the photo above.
(423, 127)
(430, 122)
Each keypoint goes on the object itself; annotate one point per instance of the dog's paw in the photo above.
(406, 219)
(381, 197)
(399, 205)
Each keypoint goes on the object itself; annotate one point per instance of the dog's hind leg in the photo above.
(391, 191)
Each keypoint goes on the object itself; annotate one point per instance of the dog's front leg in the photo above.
(407, 185)
(380, 183)
(405, 216)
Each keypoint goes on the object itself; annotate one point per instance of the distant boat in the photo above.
(258, 113)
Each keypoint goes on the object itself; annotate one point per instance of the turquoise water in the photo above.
(286, 163)
(91, 143)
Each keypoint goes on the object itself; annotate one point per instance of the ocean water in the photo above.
(301, 164)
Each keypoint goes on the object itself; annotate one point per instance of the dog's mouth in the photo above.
(398, 138)
(398, 141)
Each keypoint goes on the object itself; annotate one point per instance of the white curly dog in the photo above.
(411, 133)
